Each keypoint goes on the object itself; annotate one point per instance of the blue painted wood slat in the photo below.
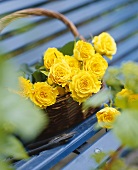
(62, 40)
(49, 158)
(51, 27)
(84, 161)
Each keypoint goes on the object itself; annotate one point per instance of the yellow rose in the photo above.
(83, 50)
(43, 95)
(133, 98)
(50, 55)
(124, 93)
(107, 116)
(74, 71)
(127, 93)
(83, 85)
(25, 87)
(96, 65)
(105, 45)
(60, 72)
(72, 62)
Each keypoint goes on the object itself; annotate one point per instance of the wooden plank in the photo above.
(125, 48)
(13, 5)
(106, 143)
(60, 6)
(133, 56)
(48, 28)
(131, 25)
(34, 33)
(62, 40)
(110, 20)
(49, 158)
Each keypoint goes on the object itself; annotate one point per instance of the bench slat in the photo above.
(52, 27)
(30, 55)
(92, 25)
(61, 6)
(125, 48)
(133, 56)
(11, 6)
(110, 20)
(49, 158)
(84, 161)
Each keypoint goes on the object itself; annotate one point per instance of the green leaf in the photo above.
(15, 112)
(5, 166)
(8, 75)
(27, 119)
(39, 64)
(39, 76)
(126, 128)
(67, 49)
(113, 80)
(97, 99)
(26, 69)
(99, 157)
(14, 148)
(118, 164)
(130, 75)
(45, 72)
(121, 102)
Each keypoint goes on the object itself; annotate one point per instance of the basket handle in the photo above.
(39, 12)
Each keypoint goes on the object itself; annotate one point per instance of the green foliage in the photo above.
(34, 74)
(5, 166)
(97, 99)
(124, 76)
(118, 164)
(37, 73)
(130, 76)
(67, 49)
(17, 117)
(38, 76)
(99, 157)
(12, 147)
(126, 128)
(127, 124)
(113, 80)
(25, 68)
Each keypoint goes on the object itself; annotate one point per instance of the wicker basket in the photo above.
(65, 113)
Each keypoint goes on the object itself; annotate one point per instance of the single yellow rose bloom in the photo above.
(107, 116)
(83, 85)
(105, 44)
(43, 94)
(50, 55)
(127, 93)
(97, 65)
(124, 93)
(25, 87)
(60, 72)
(83, 50)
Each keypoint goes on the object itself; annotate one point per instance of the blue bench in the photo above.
(25, 40)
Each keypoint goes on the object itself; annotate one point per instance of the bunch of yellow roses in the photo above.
(80, 74)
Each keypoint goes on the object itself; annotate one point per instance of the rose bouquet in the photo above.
(67, 76)
(80, 75)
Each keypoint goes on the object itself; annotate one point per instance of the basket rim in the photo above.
(5, 21)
